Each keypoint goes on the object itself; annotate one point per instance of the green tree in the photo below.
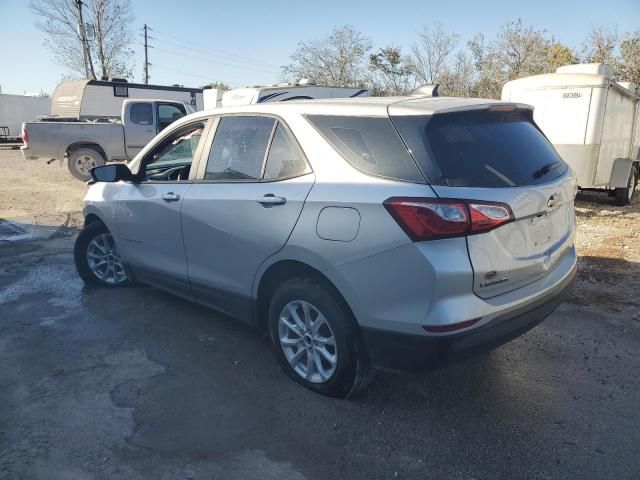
(629, 64)
(559, 55)
(391, 72)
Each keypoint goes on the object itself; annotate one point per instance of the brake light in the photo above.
(487, 216)
(24, 135)
(435, 218)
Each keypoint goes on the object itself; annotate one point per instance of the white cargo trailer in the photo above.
(16, 109)
(593, 122)
(304, 89)
(99, 99)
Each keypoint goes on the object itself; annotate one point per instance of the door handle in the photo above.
(170, 197)
(269, 200)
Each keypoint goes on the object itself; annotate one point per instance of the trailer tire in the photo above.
(81, 161)
(623, 196)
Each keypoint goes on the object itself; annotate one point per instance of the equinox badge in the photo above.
(491, 278)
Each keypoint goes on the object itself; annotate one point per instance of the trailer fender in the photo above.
(620, 172)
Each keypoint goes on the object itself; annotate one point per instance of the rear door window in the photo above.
(285, 159)
(480, 148)
(141, 113)
(167, 114)
(239, 148)
(369, 144)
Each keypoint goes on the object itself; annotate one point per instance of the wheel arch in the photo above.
(92, 218)
(282, 270)
(620, 172)
(85, 144)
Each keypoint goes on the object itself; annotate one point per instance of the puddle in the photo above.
(39, 228)
(14, 232)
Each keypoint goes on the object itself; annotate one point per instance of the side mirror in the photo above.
(112, 173)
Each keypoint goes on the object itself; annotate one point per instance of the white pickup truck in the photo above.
(85, 144)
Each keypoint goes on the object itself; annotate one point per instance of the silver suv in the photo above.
(360, 233)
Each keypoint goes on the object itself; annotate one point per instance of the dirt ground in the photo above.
(135, 384)
(608, 237)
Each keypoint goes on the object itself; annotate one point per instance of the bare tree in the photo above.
(391, 72)
(112, 20)
(459, 78)
(338, 59)
(111, 50)
(600, 46)
(518, 51)
(431, 53)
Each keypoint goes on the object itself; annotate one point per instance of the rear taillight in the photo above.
(434, 218)
(24, 135)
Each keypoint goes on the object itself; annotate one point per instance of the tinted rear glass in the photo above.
(370, 144)
(480, 149)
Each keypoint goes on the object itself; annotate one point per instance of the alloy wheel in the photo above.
(104, 261)
(307, 341)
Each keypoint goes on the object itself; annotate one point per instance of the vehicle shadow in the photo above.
(222, 391)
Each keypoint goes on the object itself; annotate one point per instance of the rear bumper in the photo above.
(26, 153)
(414, 353)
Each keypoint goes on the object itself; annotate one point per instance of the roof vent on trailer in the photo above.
(119, 80)
(427, 90)
(591, 68)
(306, 81)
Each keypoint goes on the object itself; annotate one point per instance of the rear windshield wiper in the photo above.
(545, 169)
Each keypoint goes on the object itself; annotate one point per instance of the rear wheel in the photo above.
(97, 259)
(316, 340)
(623, 196)
(82, 160)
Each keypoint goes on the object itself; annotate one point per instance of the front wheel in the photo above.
(97, 259)
(82, 160)
(623, 196)
(316, 340)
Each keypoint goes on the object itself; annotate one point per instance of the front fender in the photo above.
(101, 200)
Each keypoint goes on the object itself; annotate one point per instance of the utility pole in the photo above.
(83, 38)
(146, 55)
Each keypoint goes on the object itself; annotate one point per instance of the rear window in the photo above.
(369, 144)
(480, 148)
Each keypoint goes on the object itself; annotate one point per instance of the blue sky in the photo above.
(260, 36)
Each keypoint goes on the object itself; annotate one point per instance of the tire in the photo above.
(352, 371)
(87, 256)
(623, 196)
(82, 160)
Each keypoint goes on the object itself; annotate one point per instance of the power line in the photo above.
(184, 40)
(225, 56)
(182, 54)
(195, 75)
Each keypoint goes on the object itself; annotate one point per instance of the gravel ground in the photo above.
(135, 384)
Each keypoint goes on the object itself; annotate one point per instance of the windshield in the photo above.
(480, 148)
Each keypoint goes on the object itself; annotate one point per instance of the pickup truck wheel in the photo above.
(82, 160)
(623, 196)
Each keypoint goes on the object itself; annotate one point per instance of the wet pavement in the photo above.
(133, 383)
